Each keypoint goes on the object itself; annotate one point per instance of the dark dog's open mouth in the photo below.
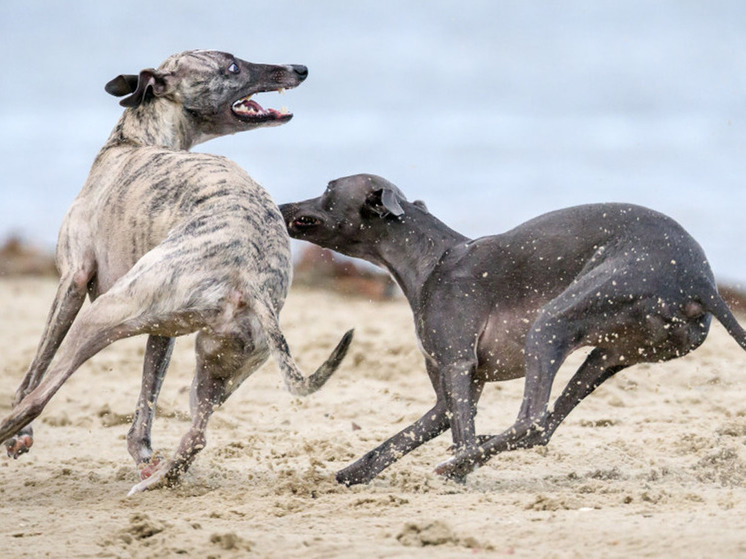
(248, 110)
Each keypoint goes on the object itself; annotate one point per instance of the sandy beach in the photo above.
(651, 465)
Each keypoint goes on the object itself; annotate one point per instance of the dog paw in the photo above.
(157, 476)
(455, 469)
(480, 440)
(352, 476)
(19, 444)
(148, 468)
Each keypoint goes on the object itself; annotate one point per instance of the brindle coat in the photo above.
(167, 242)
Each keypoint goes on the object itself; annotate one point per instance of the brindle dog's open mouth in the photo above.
(248, 110)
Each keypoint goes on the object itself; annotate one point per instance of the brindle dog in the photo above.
(167, 242)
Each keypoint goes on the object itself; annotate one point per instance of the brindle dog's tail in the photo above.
(296, 382)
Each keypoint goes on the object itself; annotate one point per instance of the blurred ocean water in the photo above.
(490, 111)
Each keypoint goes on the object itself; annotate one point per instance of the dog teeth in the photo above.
(281, 91)
(243, 100)
(247, 107)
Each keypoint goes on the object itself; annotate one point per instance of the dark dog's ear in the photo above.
(140, 87)
(386, 201)
(420, 204)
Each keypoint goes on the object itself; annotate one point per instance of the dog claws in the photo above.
(156, 477)
(348, 479)
(137, 488)
(143, 486)
(455, 469)
(148, 468)
(481, 439)
(18, 445)
(445, 468)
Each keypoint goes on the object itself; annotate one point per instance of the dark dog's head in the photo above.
(212, 88)
(351, 215)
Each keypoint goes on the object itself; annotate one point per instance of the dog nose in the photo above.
(301, 71)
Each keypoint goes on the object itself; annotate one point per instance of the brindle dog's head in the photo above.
(212, 88)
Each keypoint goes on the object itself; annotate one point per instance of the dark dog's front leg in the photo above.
(426, 428)
(459, 393)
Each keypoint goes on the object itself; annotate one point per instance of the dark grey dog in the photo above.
(623, 279)
(167, 242)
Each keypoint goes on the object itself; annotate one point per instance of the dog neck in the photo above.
(414, 247)
(159, 123)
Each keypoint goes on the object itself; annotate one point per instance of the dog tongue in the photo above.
(248, 107)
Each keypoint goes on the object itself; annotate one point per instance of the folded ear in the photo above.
(123, 84)
(140, 87)
(391, 199)
(386, 201)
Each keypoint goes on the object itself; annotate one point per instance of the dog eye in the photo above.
(234, 69)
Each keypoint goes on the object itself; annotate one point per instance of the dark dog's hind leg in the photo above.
(597, 368)
(649, 333)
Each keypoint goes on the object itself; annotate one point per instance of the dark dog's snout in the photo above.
(287, 211)
(300, 71)
(298, 221)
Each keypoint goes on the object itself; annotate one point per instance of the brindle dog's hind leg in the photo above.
(111, 317)
(223, 362)
(70, 297)
(157, 356)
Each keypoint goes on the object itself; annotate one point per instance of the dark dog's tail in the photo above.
(296, 382)
(717, 307)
